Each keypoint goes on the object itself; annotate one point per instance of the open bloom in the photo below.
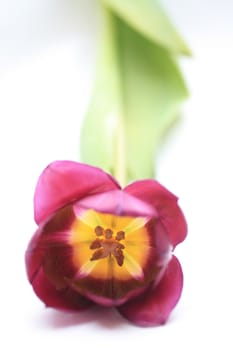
(98, 243)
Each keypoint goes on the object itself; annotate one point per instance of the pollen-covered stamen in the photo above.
(96, 244)
(119, 255)
(108, 233)
(107, 245)
(99, 254)
(99, 231)
(120, 235)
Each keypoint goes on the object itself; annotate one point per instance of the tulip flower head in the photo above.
(97, 243)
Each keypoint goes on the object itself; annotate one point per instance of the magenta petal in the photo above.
(154, 306)
(165, 203)
(63, 299)
(63, 182)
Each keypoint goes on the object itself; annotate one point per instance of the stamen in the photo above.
(121, 246)
(99, 254)
(95, 244)
(119, 256)
(99, 231)
(108, 233)
(108, 245)
(120, 235)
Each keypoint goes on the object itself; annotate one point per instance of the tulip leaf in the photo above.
(149, 18)
(136, 99)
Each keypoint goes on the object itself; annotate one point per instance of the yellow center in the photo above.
(108, 246)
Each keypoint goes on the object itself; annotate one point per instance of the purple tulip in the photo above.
(98, 243)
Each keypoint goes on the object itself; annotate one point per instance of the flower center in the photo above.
(108, 244)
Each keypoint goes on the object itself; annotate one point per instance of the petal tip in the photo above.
(63, 182)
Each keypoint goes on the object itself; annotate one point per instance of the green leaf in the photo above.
(149, 18)
(136, 98)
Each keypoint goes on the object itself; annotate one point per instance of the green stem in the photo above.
(120, 161)
(119, 149)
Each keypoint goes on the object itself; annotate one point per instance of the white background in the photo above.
(47, 55)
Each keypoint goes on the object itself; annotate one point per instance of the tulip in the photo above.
(97, 243)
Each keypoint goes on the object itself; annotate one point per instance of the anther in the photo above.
(106, 245)
(108, 233)
(120, 235)
(99, 231)
(99, 254)
(95, 244)
(119, 256)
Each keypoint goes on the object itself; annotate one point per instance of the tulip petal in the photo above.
(153, 193)
(117, 202)
(154, 306)
(44, 260)
(63, 299)
(34, 255)
(64, 182)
